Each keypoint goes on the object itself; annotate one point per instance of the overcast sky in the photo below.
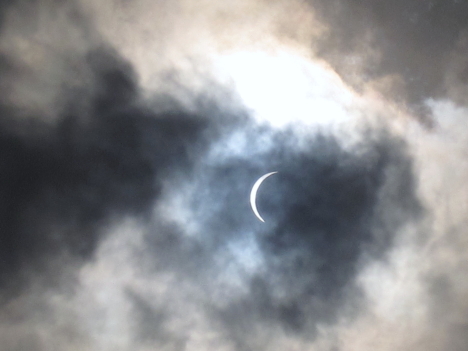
(132, 132)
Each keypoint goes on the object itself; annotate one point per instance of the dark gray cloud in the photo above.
(60, 183)
(413, 40)
(325, 219)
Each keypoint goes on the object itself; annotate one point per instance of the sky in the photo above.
(132, 132)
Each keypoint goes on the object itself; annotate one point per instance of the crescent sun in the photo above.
(253, 194)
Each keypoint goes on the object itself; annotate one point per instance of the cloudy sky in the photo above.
(132, 132)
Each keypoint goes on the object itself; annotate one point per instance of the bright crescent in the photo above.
(253, 194)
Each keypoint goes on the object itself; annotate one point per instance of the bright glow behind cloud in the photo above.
(286, 89)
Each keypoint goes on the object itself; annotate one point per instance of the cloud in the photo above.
(102, 156)
(324, 218)
(407, 44)
(128, 155)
